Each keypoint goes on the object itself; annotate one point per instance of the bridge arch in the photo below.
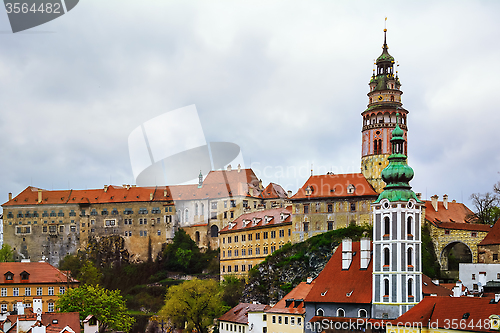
(458, 252)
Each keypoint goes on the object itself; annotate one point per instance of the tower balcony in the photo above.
(383, 125)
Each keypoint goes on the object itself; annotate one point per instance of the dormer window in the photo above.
(308, 190)
(350, 189)
(25, 275)
(9, 276)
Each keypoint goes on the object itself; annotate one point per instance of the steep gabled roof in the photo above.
(493, 237)
(457, 212)
(39, 272)
(293, 302)
(258, 219)
(335, 285)
(239, 314)
(335, 186)
(441, 311)
(274, 191)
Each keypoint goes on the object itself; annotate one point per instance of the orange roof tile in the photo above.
(239, 314)
(457, 212)
(257, 219)
(463, 226)
(493, 237)
(293, 302)
(429, 288)
(335, 186)
(335, 285)
(55, 321)
(39, 272)
(441, 311)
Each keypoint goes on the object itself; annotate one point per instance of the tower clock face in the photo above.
(380, 98)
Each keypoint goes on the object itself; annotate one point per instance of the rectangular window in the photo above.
(447, 232)
(235, 268)
(306, 209)
(27, 291)
(286, 320)
(229, 269)
(265, 250)
(236, 239)
(233, 203)
(243, 252)
(50, 307)
(245, 203)
(265, 235)
(257, 235)
(232, 214)
(235, 253)
(4, 307)
(273, 234)
(330, 225)
(73, 228)
(229, 253)
(330, 208)
(282, 233)
(159, 232)
(39, 291)
(249, 237)
(274, 319)
(4, 292)
(473, 234)
(243, 238)
(61, 228)
(495, 256)
(51, 291)
(15, 291)
(353, 207)
(250, 252)
(243, 267)
(225, 215)
(257, 250)
(213, 205)
(306, 226)
(62, 290)
(273, 248)
(299, 321)
(249, 267)
(229, 239)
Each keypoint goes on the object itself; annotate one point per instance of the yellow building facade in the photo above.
(247, 240)
(28, 282)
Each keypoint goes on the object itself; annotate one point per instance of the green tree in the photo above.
(107, 305)
(232, 290)
(89, 274)
(6, 253)
(486, 208)
(195, 302)
(430, 263)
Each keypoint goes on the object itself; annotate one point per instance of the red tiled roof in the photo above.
(218, 184)
(55, 321)
(335, 186)
(246, 221)
(239, 314)
(493, 237)
(274, 191)
(429, 288)
(293, 302)
(334, 285)
(39, 272)
(441, 311)
(457, 212)
(463, 226)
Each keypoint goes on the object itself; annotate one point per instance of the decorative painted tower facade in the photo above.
(379, 119)
(397, 266)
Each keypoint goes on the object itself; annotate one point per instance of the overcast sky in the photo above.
(284, 80)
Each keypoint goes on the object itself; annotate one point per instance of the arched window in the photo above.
(320, 312)
(380, 146)
(392, 98)
(362, 313)
(410, 256)
(197, 236)
(387, 254)
(214, 231)
(340, 312)
(409, 226)
(386, 287)
(186, 215)
(195, 209)
(375, 149)
(410, 287)
(387, 226)
(202, 209)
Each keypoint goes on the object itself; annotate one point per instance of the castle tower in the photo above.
(379, 119)
(397, 266)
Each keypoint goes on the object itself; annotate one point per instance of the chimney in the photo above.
(289, 193)
(10, 196)
(250, 191)
(150, 196)
(20, 308)
(436, 282)
(365, 253)
(457, 290)
(229, 167)
(309, 280)
(419, 196)
(37, 305)
(346, 253)
(106, 188)
(239, 168)
(434, 201)
(497, 298)
(165, 193)
(260, 184)
(39, 195)
(445, 201)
